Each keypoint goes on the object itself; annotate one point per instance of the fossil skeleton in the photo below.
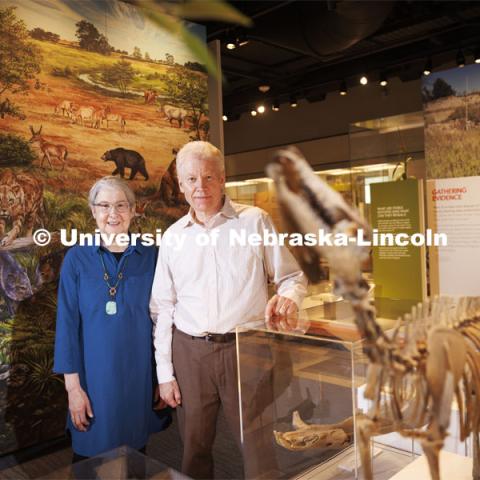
(414, 374)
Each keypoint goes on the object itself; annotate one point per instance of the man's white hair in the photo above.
(201, 150)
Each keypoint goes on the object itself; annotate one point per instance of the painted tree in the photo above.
(137, 53)
(169, 58)
(120, 74)
(41, 34)
(191, 92)
(19, 60)
(147, 57)
(91, 39)
(441, 89)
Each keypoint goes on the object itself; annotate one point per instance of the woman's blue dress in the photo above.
(112, 354)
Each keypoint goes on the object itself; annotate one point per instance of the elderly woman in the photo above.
(103, 343)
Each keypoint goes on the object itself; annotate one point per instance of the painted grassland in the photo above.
(452, 136)
(146, 130)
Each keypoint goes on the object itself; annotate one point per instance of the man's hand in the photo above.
(80, 408)
(170, 393)
(158, 403)
(281, 314)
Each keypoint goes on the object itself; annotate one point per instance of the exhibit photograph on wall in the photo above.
(87, 89)
(452, 122)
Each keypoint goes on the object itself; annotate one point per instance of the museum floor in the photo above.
(164, 446)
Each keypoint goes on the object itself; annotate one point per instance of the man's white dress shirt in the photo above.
(217, 287)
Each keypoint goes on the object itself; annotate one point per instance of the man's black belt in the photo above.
(212, 337)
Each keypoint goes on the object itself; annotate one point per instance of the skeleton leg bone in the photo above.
(476, 456)
(365, 429)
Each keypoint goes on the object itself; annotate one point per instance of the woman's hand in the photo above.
(78, 403)
(80, 409)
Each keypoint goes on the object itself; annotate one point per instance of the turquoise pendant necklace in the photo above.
(111, 305)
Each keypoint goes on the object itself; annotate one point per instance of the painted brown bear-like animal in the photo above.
(169, 191)
(124, 158)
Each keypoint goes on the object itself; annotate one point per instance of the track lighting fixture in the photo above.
(427, 69)
(476, 56)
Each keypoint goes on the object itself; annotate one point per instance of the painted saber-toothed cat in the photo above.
(412, 377)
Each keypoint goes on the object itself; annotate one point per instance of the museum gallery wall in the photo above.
(81, 83)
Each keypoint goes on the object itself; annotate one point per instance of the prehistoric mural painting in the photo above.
(452, 122)
(87, 89)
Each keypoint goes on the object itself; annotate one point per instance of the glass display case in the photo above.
(352, 182)
(123, 463)
(300, 397)
(381, 150)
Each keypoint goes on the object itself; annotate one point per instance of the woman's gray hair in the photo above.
(114, 183)
(202, 150)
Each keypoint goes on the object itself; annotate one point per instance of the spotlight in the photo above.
(264, 88)
(275, 106)
(261, 109)
(460, 59)
(427, 69)
(364, 80)
(253, 113)
(231, 45)
(225, 118)
(293, 102)
(383, 80)
(343, 88)
(476, 56)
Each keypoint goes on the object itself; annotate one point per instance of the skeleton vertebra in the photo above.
(413, 377)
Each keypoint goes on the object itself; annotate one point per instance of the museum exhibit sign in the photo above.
(454, 209)
(399, 271)
(452, 143)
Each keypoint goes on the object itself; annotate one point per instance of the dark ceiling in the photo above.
(307, 48)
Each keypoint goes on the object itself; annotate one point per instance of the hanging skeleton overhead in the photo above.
(432, 357)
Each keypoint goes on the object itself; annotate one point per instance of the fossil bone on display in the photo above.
(431, 358)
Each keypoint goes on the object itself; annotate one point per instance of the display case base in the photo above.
(386, 462)
(452, 466)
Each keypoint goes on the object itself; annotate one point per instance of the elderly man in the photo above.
(206, 289)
